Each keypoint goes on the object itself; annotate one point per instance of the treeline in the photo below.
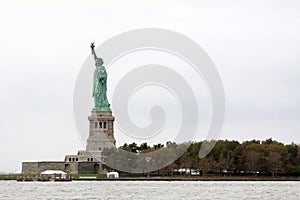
(249, 158)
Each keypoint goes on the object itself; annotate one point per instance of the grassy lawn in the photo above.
(5, 176)
(88, 175)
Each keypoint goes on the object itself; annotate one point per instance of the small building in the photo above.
(112, 175)
(54, 173)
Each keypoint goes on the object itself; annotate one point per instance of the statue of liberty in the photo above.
(99, 84)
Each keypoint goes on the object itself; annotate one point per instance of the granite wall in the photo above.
(69, 167)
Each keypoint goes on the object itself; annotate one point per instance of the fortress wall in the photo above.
(68, 167)
(89, 168)
(51, 166)
(30, 167)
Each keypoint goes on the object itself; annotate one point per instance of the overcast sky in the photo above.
(254, 44)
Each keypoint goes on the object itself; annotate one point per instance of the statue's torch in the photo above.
(92, 47)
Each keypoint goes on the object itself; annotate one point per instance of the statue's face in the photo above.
(99, 61)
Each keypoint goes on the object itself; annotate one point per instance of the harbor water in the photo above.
(13, 190)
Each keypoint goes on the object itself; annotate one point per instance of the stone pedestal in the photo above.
(101, 133)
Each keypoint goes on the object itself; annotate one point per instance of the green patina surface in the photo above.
(99, 85)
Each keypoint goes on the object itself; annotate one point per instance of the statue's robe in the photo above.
(99, 89)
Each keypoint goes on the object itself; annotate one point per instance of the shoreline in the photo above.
(191, 179)
(176, 179)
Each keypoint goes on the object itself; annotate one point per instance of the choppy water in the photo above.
(149, 190)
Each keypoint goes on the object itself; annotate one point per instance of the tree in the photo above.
(270, 141)
(204, 166)
(298, 156)
(158, 146)
(122, 160)
(172, 145)
(213, 164)
(267, 157)
(186, 161)
(274, 162)
(253, 157)
(143, 147)
(130, 148)
(252, 160)
(222, 165)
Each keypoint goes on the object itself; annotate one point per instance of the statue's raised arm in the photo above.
(93, 51)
